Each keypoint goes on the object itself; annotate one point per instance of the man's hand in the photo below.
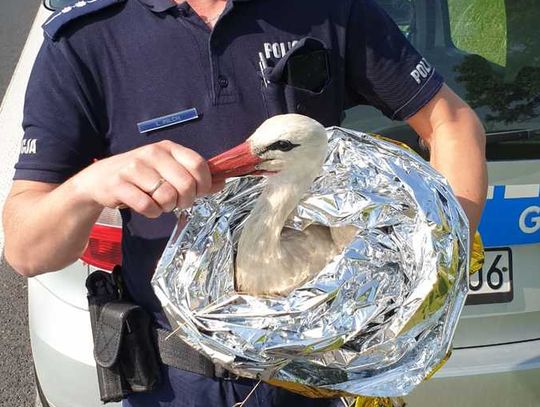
(151, 180)
(47, 225)
(456, 140)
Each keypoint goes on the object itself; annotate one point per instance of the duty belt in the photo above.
(128, 348)
(174, 352)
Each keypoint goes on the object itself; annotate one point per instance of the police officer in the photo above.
(128, 98)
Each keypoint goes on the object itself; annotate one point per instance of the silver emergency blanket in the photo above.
(376, 321)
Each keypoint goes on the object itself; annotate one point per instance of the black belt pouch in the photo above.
(124, 343)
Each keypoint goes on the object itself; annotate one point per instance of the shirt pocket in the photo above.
(322, 106)
(293, 85)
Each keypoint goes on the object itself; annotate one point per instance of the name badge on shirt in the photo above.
(168, 120)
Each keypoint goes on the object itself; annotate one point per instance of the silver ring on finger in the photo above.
(156, 186)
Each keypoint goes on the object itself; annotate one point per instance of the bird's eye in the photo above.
(282, 145)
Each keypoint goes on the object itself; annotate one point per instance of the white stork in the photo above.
(272, 259)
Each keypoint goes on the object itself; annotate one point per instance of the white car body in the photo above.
(496, 357)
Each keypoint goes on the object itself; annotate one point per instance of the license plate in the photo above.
(492, 284)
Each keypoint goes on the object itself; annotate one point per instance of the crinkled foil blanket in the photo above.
(375, 321)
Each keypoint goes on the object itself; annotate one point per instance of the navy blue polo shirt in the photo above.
(107, 65)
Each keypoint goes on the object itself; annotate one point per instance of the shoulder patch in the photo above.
(78, 9)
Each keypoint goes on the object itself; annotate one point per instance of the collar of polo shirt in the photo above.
(160, 6)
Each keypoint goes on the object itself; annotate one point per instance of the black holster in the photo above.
(125, 351)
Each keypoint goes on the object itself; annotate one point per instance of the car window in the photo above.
(500, 74)
(488, 52)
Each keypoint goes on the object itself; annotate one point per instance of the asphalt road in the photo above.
(16, 374)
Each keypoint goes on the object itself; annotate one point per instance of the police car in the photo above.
(488, 52)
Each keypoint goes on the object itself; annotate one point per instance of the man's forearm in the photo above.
(456, 140)
(47, 226)
(457, 152)
(46, 229)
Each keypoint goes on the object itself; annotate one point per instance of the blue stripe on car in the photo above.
(511, 216)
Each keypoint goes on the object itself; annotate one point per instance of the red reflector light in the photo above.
(104, 248)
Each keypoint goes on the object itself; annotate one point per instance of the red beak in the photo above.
(235, 162)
